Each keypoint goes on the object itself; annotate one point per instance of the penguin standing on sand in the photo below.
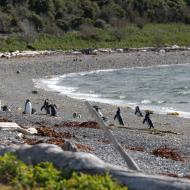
(52, 109)
(45, 106)
(118, 116)
(100, 113)
(138, 111)
(28, 107)
(148, 120)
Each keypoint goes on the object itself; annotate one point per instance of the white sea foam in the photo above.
(146, 102)
(74, 92)
(184, 93)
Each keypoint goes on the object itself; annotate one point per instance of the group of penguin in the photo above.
(146, 118)
(120, 119)
(49, 108)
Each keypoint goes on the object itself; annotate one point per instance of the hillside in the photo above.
(24, 23)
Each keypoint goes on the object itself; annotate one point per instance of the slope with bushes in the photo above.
(24, 23)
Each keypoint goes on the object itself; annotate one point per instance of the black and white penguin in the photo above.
(100, 113)
(148, 120)
(28, 107)
(52, 109)
(5, 108)
(76, 115)
(138, 111)
(118, 116)
(45, 106)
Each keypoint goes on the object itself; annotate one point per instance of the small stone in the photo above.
(34, 92)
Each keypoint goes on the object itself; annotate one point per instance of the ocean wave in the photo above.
(122, 97)
(183, 93)
(120, 69)
(120, 100)
(146, 102)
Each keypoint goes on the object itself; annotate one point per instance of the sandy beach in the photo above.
(16, 85)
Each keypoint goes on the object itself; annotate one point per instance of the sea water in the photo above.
(163, 89)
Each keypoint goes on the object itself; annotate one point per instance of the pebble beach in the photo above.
(17, 83)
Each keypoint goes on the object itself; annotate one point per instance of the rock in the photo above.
(34, 92)
(87, 51)
(32, 130)
(29, 131)
(9, 126)
(19, 136)
(88, 163)
(69, 146)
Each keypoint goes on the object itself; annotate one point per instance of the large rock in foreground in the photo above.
(88, 163)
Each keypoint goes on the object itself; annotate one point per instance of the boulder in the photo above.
(88, 163)
(69, 146)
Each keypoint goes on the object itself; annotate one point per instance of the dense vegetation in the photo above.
(87, 21)
(14, 174)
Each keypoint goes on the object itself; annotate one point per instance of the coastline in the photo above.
(16, 88)
(53, 84)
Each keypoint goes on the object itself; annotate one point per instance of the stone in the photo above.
(69, 146)
(88, 163)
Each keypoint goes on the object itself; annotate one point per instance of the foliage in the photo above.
(14, 174)
(66, 15)
(119, 36)
(86, 182)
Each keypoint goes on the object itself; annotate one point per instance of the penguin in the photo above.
(148, 120)
(98, 110)
(45, 106)
(52, 109)
(5, 108)
(28, 107)
(100, 113)
(138, 111)
(76, 115)
(118, 116)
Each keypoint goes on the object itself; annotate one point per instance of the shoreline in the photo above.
(50, 84)
(16, 88)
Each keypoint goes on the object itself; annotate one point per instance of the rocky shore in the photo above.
(16, 85)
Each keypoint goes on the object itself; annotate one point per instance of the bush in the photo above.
(37, 20)
(112, 10)
(88, 32)
(99, 23)
(9, 168)
(87, 182)
(45, 176)
(64, 25)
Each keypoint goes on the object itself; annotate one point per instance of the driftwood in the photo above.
(130, 162)
(11, 126)
(91, 51)
(88, 163)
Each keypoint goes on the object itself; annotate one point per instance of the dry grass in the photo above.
(87, 124)
(47, 131)
(140, 149)
(173, 113)
(84, 148)
(168, 153)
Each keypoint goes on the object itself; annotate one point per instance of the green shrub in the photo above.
(99, 23)
(10, 167)
(44, 175)
(88, 182)
(37, 20)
